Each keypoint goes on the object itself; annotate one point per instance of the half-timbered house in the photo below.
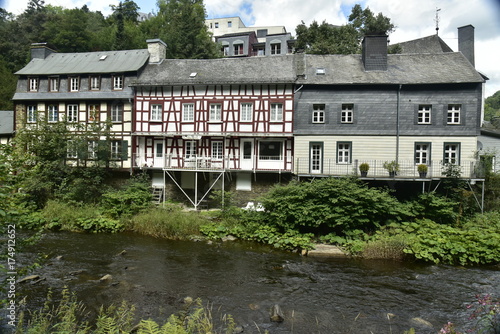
(214, 117)
(377, 108)
(88, 90)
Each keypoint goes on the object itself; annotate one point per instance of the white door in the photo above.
(247, 154)
(158, 153)
(316, 158)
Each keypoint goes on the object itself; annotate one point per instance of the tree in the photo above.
(128, 9)
(492, 108)
(181, 25)
(7, 86)
(346, 39)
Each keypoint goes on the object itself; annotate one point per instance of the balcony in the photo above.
(469, 169)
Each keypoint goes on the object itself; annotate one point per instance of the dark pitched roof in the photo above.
(6, 122)
(429, 44)
(87, 62)
(438, 68)
(272, 69)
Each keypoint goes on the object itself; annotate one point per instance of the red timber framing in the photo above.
(214, 129)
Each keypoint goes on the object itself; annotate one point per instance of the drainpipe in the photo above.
(397, 123)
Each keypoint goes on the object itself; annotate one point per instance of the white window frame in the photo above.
(316, 156)
(74, 84)
(451, 153)
(156, 113)
(424, 114)
(422, 153)
(118, 82)
(31, 114)
(92, 146)
(72, 113)
(318, 114)
(246, 112)
(190, 149)
(217, 150)
(275, 48)
(215, 112)
(453, 116)
(52, 113)
(93, 110)
(95, 82)
(347, 113)
(117, 113)
(71, 151)
(54, 84)
(276, 112)
(188, 112)
(344, 152)
(33, 84)
(238, 49)
(116, 150)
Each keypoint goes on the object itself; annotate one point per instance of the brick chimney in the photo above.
(374, 52)
(157, 50)
(466, 42)
(40, 50)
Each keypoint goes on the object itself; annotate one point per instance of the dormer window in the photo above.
(95, 83)
(118, 82)
(54, 84)
(33, 84)
(74, 84)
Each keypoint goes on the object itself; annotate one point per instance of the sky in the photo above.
(413, 19)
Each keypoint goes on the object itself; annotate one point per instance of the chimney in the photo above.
(40, 50)
(374, 53)
(466, 42)
(157, 50)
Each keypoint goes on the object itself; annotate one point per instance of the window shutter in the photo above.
(124, 150)
(103, 150)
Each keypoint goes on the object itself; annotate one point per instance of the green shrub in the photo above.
(131, 199)
(99, 225)
(60, 215)
(167, 222)
(331, 205)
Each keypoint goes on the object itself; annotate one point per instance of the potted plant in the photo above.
(392, 167)
(422, 170)
(363, 168)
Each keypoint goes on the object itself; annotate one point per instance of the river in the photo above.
(316, 295)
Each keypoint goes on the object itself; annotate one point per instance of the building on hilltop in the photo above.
(237, 40)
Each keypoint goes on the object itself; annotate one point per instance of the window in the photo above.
(424, 114)
(93, 112)
(276, 48)
(53, 115)
(215, 112)
(74, 84)
(190, 149)
(246, 112)
(422, 153)
(276, 112)
(347, 113)
(229, 24)
(118, 82)
(117, 113)
(156, 112)
(318, 115)
(95, 83)
(216, 25)
(116, 150)
(451, 153)
(217, 150)
(72, 113)
(270, 150)
(92, 149)
(454, 114)
(31, 114)
(54, 84)
(188, 112)
(343, 153)
(71, 151)
(33, 84)
(316, 152)
(238, 49)
(225, 50)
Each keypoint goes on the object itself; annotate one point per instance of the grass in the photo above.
(169, 222)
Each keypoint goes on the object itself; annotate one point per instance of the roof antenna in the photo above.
(437, 20)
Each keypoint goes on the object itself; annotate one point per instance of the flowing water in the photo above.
(316, 295)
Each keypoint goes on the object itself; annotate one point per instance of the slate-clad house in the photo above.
(418, 108)
(84, 89)
(6, 126)
(216, 116)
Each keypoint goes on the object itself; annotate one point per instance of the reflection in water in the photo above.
(246, 280)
